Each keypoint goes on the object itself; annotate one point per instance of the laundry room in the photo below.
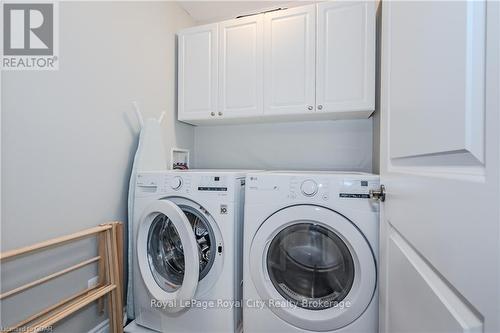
(250, 166)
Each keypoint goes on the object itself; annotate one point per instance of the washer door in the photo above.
(313, 267)
(209, 240)
(167, 254)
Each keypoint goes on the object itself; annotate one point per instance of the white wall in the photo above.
(68, 137)
(321, 145)
(212, 11)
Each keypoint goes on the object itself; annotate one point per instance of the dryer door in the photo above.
(167, 254)
(314, 268)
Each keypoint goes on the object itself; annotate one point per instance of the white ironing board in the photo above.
(150, 156)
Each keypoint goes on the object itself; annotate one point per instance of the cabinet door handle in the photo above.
(320, 107)
(212, 114)
(310, 107)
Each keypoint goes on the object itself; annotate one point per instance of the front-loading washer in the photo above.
(310, 252)
(187, 265)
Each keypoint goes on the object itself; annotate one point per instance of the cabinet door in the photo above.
(240, 59)
(345, 73)
(197, 72)
(289, 60)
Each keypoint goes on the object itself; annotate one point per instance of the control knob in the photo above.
(176, 183)
(309, 187)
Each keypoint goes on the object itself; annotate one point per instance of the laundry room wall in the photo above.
(313, 145)
(68, 139)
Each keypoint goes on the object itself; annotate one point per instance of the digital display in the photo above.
(211, 188)
(216, 179)
(354, 195)
(364, 183)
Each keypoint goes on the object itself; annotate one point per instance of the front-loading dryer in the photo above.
(187, 271)
(310, 252)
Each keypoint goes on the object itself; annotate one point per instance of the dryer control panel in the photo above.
(321, 188)
(357, 188)
(308, 187)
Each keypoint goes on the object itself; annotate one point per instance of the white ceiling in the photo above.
(212, 11)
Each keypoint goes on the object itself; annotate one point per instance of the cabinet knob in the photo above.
(320, 107)
(220, 113)
(212, 114)
(310, 107)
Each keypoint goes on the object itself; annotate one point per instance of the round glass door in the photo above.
(316, 264)
(166, 253)
(310, 266)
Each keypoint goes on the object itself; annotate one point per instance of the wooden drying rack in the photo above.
(110, 272)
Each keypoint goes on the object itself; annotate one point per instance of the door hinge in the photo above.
(378, 194)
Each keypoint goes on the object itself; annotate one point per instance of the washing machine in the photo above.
(187, 274)
(310, 252)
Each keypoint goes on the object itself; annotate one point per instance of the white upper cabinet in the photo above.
(197, 72)
(240, 67)
(304, 63)
(289, 60)
(345, 73)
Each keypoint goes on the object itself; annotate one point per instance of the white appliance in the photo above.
(187, 255)
(310, 252)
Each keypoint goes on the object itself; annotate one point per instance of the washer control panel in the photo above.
(178, 183)
(212, 184)
(175, 182)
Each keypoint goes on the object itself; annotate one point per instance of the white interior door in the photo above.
(440, 256)
(240, 56)
(289, 60)
(345, 71)
(197, 72)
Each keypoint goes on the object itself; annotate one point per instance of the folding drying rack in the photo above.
(110, 284)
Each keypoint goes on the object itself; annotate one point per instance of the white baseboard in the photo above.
(103, 327)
